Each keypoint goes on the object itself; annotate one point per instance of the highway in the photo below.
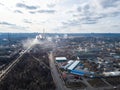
(56, 76)
(8, 69)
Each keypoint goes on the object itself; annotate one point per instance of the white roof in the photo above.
(68, 64)
(70, 61)
(111, 73)
(74, 64)
(60, 58)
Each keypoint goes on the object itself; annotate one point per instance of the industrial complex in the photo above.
(69, 62)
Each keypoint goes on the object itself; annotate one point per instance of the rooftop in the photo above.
(60, 58)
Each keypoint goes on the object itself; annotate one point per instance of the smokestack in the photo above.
(43, 35)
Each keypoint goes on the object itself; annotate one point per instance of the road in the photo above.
(8, 69)
(56, 76)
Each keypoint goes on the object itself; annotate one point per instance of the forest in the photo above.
(30, 74)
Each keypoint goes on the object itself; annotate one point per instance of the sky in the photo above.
(60, 16)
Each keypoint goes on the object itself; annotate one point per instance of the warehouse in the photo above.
(60, 59)
(73, 65)
(76, 72)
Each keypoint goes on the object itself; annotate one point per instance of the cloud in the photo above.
(19, 27)
(71, 23)
(47, 11)
(51, 5)
(18, 11)
(11, 25)
(89, 13)
(89, 22)
(65, 15)
(109, 8)
(79, 9)
(43, 11)
(27, 21)
(108, 3)
(21, 5)
(32, 12)
(116, 13)
(6, 23)
(115, 25)
(1, 4)
(79, 22)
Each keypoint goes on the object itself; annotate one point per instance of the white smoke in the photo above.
(37, 40)
(29, 42)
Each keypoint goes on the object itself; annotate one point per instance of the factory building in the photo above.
(73, 65)
(78, 72)
(60, 59)
(69, 63)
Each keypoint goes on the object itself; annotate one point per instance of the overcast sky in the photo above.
(60, 16)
